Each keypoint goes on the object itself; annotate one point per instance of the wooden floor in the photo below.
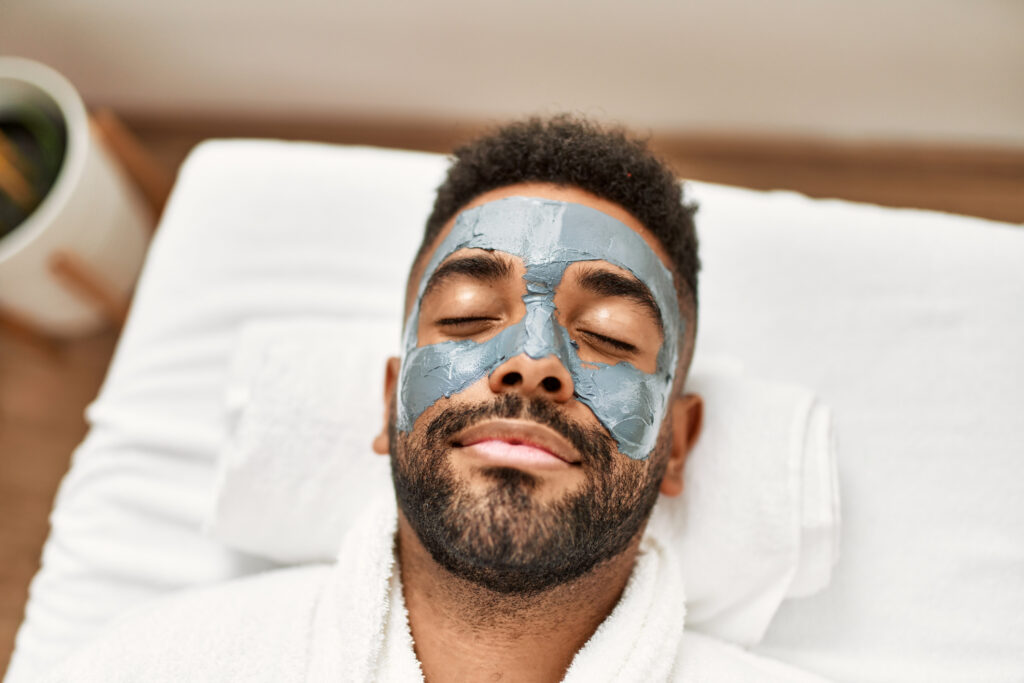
(45, 388)
(43, 392)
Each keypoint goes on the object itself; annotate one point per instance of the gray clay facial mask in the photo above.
(549, 236)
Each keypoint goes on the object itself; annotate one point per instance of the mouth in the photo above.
(517, 443)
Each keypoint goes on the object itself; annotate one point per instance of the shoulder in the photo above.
(706, 659)
(253, 628)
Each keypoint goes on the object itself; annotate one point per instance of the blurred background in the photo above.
(832, 98)
(914, 103)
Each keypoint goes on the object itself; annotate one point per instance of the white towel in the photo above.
(334, 623)
(303, 403)
(757, 522)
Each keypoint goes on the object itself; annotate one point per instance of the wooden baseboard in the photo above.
(973, 180)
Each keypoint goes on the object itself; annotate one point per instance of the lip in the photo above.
(519, 432)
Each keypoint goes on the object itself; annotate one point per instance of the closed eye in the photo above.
(456, 322)
(616, 344)
(466, 327)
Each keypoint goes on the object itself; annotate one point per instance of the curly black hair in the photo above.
(571, 151)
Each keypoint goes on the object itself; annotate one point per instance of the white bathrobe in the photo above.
(347, 622)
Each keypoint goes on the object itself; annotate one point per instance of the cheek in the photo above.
(439, 414)
(431, 373)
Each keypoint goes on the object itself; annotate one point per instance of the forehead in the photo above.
(565, 193)
(551, 234)
(542, 190)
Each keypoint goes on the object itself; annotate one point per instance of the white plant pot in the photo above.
(91, 212)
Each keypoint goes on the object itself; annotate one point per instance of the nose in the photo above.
(533, 377)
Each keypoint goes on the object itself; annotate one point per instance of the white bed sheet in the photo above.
(908, 324)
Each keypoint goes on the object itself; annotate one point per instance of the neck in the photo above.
(463, 631)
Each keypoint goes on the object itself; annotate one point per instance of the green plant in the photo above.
(33, 140)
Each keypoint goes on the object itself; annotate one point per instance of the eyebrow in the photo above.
(486, 267)
(608, 283)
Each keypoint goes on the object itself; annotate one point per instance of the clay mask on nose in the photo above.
(549, 236)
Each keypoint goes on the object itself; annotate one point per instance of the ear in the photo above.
(687, 420)
(382, 442)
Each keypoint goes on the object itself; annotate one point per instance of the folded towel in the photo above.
(348, 622)
(757, 522)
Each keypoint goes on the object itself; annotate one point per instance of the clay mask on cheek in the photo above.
(549, 236)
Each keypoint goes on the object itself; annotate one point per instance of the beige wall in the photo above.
(919, 70)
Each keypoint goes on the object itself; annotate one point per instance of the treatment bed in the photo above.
(908, 325)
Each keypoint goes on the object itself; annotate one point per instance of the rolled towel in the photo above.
(758, 520)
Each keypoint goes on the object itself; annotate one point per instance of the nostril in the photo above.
(552, 384)
(511, 378)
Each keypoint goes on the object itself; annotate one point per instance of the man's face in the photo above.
(511, 467)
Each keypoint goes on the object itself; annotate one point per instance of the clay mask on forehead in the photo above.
(549, 236)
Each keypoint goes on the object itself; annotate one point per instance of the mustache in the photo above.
(595, 446)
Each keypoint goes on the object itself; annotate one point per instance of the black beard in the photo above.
(505, 540)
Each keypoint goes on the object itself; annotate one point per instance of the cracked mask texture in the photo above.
(548, 236)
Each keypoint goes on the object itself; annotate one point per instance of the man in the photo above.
(520, 518)
(534, 418)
